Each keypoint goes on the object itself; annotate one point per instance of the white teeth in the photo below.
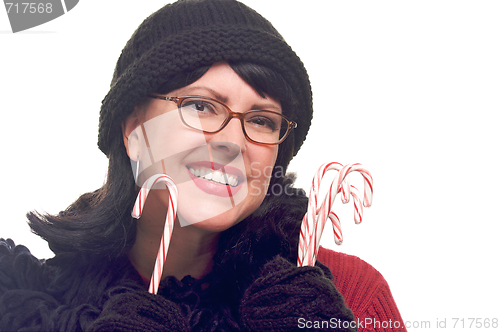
(233, 181)
(216, 176)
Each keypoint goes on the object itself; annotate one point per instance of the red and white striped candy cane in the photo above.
(312, 250)
(367, 177)
(309, 239)
(169, 223)
(309, 220)
(337, 230)
(358, 205)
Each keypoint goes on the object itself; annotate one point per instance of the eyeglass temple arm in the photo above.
(175, 99)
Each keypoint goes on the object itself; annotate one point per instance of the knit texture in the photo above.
(140, 311)
(112, 296)
(365, 291)
(301, 293)
(99, 295)
(251, 286)
(190, 34)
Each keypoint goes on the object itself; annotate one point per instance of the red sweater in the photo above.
(365, 291)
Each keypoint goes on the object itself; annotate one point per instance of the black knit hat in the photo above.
(190, 34)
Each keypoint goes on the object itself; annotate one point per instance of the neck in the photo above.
(190, 251)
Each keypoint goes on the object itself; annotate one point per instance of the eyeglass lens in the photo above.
(209, 116)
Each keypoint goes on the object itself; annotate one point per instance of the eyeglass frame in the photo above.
(231, 115)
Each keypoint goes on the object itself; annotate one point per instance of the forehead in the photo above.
(222, 83)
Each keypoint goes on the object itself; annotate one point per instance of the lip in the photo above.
(213, 188)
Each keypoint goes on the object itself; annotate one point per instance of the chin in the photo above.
(214, 223)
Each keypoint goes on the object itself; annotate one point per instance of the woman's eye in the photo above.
(200, 106)
(263, 122)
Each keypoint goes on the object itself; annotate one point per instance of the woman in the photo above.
(181, 80)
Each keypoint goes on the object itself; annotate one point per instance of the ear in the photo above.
(130, 137)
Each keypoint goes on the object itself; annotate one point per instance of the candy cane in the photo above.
(337, 230)
(313, 248)
(169, 223)
(358, 205)
(312, 228)
(367, 177)
(308, 222)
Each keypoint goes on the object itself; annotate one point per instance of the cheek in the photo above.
(261, 170)
(165, 138)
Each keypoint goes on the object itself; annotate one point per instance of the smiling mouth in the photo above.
(215, 176)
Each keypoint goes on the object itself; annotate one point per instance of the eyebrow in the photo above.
(267, 107)
(216, 95)
(224, 100)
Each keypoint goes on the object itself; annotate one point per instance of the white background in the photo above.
(409, 89)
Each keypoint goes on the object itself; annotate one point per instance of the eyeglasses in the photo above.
(211, 116)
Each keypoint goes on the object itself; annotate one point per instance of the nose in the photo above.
(230, 140)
